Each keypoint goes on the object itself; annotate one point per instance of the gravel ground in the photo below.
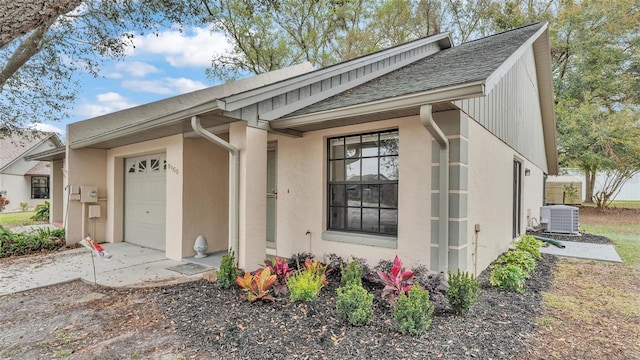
(219, 324)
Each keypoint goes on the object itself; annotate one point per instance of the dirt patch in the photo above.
(611, 217)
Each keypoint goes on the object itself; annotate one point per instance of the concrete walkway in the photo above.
(582, 250)
(129, 266)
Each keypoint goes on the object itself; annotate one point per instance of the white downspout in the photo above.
(234, 171)
(443, 227)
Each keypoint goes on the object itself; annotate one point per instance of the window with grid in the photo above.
(39, 187)
(363, 183)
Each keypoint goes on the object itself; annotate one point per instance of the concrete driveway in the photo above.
(129, 266)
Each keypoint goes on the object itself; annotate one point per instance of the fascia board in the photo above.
(501, 71)
(434, 96)
(146, 125)
(241, 100)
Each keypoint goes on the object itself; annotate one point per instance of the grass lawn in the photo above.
(592, 310)
(13, 219)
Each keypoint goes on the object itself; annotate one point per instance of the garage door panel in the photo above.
(145, 201)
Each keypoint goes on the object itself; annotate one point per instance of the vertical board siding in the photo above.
(511, 111)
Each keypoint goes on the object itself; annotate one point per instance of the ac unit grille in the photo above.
(560, 219)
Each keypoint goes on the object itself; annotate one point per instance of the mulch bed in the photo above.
(583, 237)
(218, 323)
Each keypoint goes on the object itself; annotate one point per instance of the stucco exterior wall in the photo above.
(301, 204)
(491, 195)
(86, 167)
(172, 146)
(56, 192)
(205, 195)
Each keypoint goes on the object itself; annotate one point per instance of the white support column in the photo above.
(252, 144)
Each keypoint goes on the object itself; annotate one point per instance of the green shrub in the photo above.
(305, 285)
(352, 273)
(227, 273)
(531, 245)
(42, 212)
(24, 206)
(354, 304)
(509, 277)
(519, 258)
(412, 311)
(464, 291)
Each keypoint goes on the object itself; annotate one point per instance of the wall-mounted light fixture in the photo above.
(527, 172)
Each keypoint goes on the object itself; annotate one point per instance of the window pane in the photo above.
(389, 143)
(353, 170)
(389, 168)
(336, 148)
(354, 195)
(370, 145)
(338, 195)
(370, 220)
(336, 220)
(336, 170)
(370, 169)
(389, 195)
(353, 218)
(353, 147)
(142, 166)
(388, 221)
(370, 195)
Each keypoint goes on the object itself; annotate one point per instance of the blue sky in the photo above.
(162, 66)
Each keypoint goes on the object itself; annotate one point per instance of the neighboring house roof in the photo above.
(57, 153)
(16, 146)
(41, 168)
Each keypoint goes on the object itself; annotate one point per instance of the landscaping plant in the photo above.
(413, 311)
(3, 202)
(23, 244)
(281, 269)
(42, 212)
(318, 268)
(464, 291)
(519, 258)
(257, 285)
(397, 282)
(305, 284)
(509, 277)
(435, 283)
(228, 272)
(24, 206)
(354, 304)
(352, 273)
(531, 245)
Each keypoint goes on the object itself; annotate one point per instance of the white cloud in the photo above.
(164, 86)
(137, 68)
(105, 103)
(193, 47)
(47, 128)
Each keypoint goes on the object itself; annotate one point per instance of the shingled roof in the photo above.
(467, 63)
(17, 145)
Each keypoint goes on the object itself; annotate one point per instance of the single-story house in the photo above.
(22, 180)
(437, 153)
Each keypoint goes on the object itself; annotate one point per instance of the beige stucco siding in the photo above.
(491, 195)
(301, 203)
(205, 195)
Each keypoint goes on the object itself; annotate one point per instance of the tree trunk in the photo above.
(590, 180)
(19, 17)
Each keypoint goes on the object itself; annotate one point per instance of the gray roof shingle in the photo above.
(467, 63)
(14, 145)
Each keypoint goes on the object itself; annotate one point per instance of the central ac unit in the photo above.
(559, 219)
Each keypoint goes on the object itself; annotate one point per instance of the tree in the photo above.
(48, 43)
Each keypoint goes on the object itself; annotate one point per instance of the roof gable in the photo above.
(16, 146)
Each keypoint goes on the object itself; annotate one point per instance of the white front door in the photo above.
(145, 201)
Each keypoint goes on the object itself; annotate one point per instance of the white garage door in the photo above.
(145, 201)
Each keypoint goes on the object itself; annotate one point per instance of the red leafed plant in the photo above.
(257, 285)
(281, 269)
(397, 282)
(317, 268)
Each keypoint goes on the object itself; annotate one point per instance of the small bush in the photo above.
(412, 311)
(3, 202)
(24, 206)
(227, 273)
(296, 262)
(509, 277)
(305, 285)
(257, 286)
(531, 245)
(42, 212)
(23, 244)
(352, 273)
(464, 291)
(396, 282)
(519, 258)
(435, 283)
(281, 269)
(354, 304)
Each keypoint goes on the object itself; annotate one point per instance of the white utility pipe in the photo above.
(234, 172)
(426, 118)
